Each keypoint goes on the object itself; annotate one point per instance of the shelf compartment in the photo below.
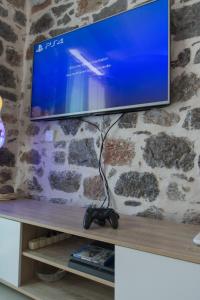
(72, 287)
(58, 255)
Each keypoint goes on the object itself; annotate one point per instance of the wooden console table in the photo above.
(153, 259)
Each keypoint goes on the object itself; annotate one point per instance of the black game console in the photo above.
(96, 258)
(100, 216)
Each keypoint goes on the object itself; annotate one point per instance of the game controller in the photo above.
(100, 216)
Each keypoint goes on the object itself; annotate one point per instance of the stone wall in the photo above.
(12, 39)
(152, 158)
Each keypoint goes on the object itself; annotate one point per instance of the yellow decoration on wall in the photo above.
(2, 129)
(1, 103)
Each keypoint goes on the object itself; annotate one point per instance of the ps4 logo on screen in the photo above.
(49, 44)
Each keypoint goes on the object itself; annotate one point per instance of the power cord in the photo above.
(101, 171)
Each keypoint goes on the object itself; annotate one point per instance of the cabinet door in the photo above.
(10, 250)
(145, 276)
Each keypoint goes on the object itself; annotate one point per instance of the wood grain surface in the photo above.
(148, 235)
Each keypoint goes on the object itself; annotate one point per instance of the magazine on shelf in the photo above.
(95, 254)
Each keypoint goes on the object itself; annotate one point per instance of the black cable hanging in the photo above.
(101, 171)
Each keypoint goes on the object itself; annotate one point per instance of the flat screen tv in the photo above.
(118, 64)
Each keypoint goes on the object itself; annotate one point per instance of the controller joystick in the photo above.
(100, 216)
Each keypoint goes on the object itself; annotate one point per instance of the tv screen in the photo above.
(117, 64)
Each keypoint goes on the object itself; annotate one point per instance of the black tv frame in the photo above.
(118, 110)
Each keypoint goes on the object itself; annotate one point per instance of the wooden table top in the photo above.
(148, 235)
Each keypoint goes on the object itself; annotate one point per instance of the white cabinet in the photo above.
(10, 251)
(145, 276)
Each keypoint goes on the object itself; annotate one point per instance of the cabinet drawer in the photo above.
(10, 251)
(145, 276)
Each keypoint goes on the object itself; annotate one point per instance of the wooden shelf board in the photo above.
(154, 236)
(71, 288)
(58, 255)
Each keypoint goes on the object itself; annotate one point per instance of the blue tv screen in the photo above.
(118, 64)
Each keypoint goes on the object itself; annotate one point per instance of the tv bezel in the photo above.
(117, 110)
